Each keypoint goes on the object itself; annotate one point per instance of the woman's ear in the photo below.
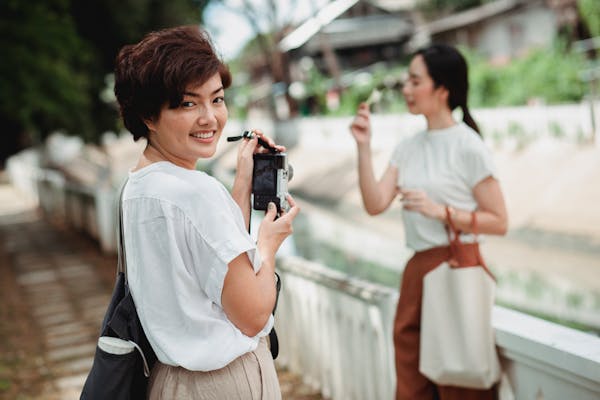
(149, 122)
(443, 93)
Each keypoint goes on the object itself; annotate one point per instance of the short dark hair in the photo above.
(448, 68)
(157, 70)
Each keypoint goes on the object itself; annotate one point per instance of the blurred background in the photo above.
(300, 69)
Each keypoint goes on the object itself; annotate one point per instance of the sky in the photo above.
(230, 30)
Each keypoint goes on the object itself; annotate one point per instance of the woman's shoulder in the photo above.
(178, 186)
(468, 138)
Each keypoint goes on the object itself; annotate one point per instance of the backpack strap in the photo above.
(121, 258)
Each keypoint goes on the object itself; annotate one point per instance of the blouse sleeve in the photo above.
(217, 235)
(478, 162)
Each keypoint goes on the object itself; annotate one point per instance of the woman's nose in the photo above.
(406, 89)
(206, 114)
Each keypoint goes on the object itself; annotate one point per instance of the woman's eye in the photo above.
(187, 104)
(219, 99)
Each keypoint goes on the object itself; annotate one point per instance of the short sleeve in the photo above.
(217, 236)
(478, 162)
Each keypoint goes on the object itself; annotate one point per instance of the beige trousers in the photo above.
(251, 376)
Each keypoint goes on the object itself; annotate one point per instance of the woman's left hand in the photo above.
(417, 200)
(249, 147)
(260, 149)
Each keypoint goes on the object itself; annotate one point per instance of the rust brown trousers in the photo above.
(411, 384)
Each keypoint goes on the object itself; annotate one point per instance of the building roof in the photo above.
(314, 24)
(359, 31)
(471, 16)
(395, 5)
(363, 31)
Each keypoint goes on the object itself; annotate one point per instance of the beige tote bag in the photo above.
(457, 339)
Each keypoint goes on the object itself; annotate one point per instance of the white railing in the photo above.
(335, 331)
(91, 210)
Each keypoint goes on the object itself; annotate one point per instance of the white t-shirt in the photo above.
(182, 228)
(446, 164)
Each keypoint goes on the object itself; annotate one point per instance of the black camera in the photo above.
(270, 179)
(270, 176)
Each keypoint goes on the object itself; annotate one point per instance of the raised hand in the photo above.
(361, 125)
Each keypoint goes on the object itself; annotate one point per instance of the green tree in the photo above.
(107, 25)
(550, 73)
(57, 55)
(270, 21)
(42, 78)
(590, 13)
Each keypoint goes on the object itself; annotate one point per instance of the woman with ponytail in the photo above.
(443, 174)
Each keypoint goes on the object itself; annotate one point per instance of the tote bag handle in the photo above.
(456, 245)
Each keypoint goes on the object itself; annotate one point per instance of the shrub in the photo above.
(551, 74)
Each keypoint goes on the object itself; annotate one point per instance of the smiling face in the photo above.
(191, 130)
(420, 93)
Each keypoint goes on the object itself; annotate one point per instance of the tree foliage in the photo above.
(56, 58)
(270, 21)
(549, 74)
(590, 13)
(42, 78)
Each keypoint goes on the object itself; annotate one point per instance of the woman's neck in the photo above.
(440, 120)
(153, 154)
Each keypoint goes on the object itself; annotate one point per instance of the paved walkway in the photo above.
(55, 286)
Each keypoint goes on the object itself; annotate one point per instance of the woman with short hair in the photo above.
(204, 290)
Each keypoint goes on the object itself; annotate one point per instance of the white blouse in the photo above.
(447, 164)
(182, 228)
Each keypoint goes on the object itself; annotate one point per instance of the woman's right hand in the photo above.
(361, 125)
(273, 231)
(248, 297)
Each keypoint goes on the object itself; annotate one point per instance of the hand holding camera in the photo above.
(275, 229)
(270, 174)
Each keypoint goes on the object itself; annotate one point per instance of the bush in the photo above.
(550, 74)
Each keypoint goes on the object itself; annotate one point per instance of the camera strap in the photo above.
(273, 341)
(250, 135)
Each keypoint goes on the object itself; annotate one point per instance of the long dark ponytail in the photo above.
(448, 68)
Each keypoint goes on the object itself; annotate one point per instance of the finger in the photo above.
(407, 192)
(271, 143)
(290, 200)
(292, 212)
(293, 208)
(271, 211)
(362, 113)
(249, 145)
(360, 124)
(265, 138)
